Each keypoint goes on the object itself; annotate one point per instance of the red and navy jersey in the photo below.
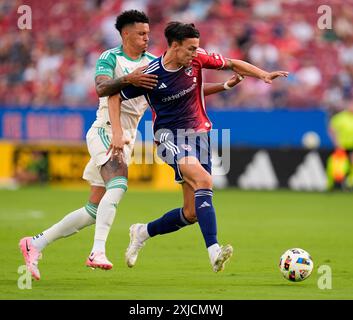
(177, 102)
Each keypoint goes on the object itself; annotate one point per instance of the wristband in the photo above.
(226, 87)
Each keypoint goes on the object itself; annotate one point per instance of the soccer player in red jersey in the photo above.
(181, 131)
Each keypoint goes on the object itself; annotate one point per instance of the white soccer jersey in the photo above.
(115, 64)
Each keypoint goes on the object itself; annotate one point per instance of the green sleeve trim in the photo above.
(106, 65)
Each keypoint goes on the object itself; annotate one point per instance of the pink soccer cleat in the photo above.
(31, 256)
(98, 260)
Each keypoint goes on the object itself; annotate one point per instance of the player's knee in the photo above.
(113, 169)
(190, 214)
(204, 181)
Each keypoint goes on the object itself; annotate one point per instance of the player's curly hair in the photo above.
(130, 17)
(178, 31)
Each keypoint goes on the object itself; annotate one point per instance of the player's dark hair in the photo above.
(177, 31)
(130, 17)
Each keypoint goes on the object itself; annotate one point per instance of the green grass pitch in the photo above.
(260, 226)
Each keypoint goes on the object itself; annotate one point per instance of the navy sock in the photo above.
(206, 215)
(170, 222)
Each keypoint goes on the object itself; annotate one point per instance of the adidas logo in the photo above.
(259, 174)
(162, 86)
(310, 174)
(204, 205)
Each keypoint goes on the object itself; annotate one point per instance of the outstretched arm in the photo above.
(211, 88)
(247, 69)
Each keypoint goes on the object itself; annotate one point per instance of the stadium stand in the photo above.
(53, 64)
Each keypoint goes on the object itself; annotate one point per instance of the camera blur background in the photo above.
(53, 64)
(282, 138)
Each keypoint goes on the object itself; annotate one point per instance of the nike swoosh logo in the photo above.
(28, 249)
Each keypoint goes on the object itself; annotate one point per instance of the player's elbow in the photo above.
(101, 92)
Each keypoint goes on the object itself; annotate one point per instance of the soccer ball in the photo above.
(296, 264)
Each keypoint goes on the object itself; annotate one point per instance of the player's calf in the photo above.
(115, 189)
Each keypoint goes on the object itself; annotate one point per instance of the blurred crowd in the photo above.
(53, 64)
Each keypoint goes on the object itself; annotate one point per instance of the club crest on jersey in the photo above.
(189, 71)
(186, 147)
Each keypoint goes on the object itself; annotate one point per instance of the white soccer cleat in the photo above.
(136, 243)
(224, 254)
(98, 260)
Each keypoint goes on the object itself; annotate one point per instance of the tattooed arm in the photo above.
(106, 86)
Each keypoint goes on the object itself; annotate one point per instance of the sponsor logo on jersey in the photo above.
(179, 94)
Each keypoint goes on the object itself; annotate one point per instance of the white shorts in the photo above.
(98, 141)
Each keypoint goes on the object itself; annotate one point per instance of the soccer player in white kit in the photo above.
(115, 69)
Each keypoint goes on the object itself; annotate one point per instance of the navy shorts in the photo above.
(172, 148)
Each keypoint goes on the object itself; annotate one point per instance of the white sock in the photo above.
(98, 246)
(106, 211)
(143, 233)
(39, 241)
(213, 251)
(70, 224)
